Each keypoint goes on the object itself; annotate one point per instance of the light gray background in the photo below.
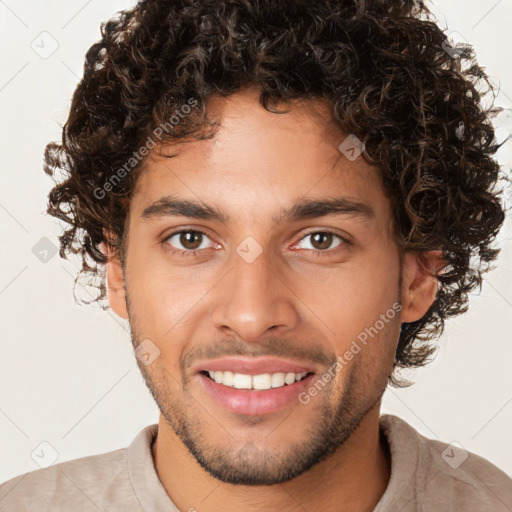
(68, 375)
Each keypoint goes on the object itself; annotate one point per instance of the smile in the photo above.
(256, 382)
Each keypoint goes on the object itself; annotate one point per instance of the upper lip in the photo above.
(254, 365)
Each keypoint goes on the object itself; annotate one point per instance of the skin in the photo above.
(293, 297)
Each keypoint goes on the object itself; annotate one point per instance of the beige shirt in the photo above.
(426, 475)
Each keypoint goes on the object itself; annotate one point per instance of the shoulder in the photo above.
(75, 482)
(440, 474)
(97, 482)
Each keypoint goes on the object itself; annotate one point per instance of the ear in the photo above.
(116, 291)
(419, 286)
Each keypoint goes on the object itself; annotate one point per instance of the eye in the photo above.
(321, 241)
(187, 240)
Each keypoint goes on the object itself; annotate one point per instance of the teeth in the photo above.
(242, 381)
(277, 380)
(258, 382)
(262, 381)
(228, 378)
(289, 378)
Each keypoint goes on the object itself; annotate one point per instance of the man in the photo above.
(289, 199)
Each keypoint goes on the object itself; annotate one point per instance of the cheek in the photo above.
(349, 300)
(380, 355)
(160, 292)
(366, 363)
(166, 303)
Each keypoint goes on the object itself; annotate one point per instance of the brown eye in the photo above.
(187, 240)
(190, 239)
(322, 241)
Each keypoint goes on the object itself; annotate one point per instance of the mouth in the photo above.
(258, 382)
(254, 386)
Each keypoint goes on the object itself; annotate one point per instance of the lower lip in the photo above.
(254, 402)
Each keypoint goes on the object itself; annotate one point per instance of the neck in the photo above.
(355, 476)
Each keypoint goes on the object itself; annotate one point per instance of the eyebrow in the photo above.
(306, 209)
(173, 206)
(312, 208)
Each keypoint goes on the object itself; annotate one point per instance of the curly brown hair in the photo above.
(383, 67)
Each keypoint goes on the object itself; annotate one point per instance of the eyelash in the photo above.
(185, 253)
(344, 242)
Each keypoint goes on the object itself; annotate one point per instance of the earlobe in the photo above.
(116, 291)
(419, 284)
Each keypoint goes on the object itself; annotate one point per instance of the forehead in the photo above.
(259, 162)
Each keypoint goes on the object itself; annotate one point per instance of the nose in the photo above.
(254, 298)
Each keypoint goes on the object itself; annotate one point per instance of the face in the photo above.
(255, 298)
